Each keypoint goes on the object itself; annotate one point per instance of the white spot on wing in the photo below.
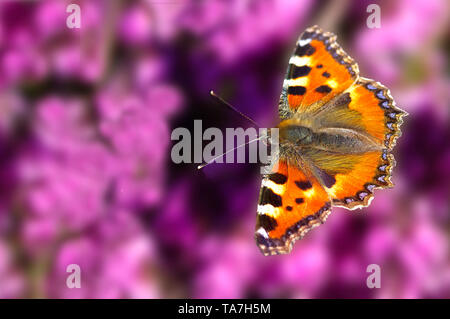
(267, 210)
(299, 61)
(302, 81)
(262, 232)
(303, 42)
(276, 188)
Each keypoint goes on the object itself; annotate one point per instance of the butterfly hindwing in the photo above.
(368, 110)
(290, 204)
(350, 179)
(381, 118)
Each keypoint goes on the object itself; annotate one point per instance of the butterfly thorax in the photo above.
(296, 134)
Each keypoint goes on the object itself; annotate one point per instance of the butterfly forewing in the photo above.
(318, 70)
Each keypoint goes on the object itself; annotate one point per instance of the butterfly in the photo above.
(336, 134)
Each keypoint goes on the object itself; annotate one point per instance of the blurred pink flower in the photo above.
(136, 126)
(305, 272)
(38, 46)
(400, 35)
(12, 282)
(12, 108)
(238, 28)
(65, 177)
(115, 259)
(85, 140)
(136, 25)
(227, 270)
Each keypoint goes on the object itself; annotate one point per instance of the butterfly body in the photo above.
(298, 135)
(336, 134)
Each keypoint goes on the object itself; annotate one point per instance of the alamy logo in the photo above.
(374, 19)
(74, 279)
(260, 142)
(374, 279)
(74, 19)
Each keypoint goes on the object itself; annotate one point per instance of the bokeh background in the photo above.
(86, 176)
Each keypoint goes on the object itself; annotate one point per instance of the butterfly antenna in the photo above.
(223, 154)
(232, 108)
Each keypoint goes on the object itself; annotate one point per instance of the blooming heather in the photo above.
(86, 178)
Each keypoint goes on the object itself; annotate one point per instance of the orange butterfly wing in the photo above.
(357, 175)
(290, 204)
(318, 71)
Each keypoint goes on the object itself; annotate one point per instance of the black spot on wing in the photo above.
(278, 178)
(289, 208)
(343, 99)
(323, 89)
(298, 71)
(327, 179)
(319, 66)
(296, 90)
(267, 222)
(303, 185)
(306, 49)
(299, 200)
(307, 35)
(265, 242)
(326, 74)
(269, 197)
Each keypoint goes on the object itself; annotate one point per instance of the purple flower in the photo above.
(239, 28)
(136, 25)
(12, 282)
(115, 258)
(135, 125)
(384, 49)
(86, 177)
(65, 176)
(227, 270)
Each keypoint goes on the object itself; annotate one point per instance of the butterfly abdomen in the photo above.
(343, 141)
(329, 139)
